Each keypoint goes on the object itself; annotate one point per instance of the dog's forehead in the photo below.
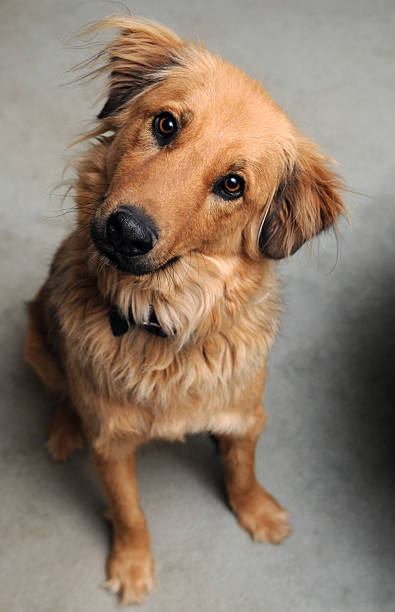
(225, 104)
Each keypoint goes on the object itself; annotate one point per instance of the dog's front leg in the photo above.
(256, 510)
(130, 566)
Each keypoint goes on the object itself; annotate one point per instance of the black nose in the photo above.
(131, 231)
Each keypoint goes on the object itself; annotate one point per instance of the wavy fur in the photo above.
(218, 302)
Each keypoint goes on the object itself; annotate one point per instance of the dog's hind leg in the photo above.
(64, 430)
(37, 352)
(256, 510)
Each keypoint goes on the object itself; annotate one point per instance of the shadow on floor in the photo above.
(364, 411)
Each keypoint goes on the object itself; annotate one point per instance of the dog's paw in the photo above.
(60, 446)
(262, 517)
(130, 573)
(64, 434)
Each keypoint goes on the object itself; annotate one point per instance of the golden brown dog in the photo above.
(161, 306)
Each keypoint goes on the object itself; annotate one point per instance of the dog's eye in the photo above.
(164, 127)
(230, 187)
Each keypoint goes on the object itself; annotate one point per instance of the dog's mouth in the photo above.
(136, 264)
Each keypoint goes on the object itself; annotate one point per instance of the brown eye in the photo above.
(230, 187)
(164, 128)
(232, 184)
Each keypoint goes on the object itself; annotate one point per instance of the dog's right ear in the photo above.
(306, 202)
(137, 58)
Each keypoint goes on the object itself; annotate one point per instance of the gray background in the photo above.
(327, 452)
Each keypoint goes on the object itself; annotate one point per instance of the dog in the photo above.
(162, 304)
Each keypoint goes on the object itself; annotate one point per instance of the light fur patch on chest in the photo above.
(224, 423)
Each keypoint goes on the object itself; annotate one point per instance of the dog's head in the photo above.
(199, 158)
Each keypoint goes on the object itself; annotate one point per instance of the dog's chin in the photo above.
(138, 265)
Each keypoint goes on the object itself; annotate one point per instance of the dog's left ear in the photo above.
(138, 58)
(306, 201)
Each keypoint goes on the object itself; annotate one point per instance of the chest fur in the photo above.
(198, 379)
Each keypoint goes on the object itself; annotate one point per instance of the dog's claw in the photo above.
(112, 584)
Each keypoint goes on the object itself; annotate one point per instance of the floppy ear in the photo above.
(306, 202)
(138, 58)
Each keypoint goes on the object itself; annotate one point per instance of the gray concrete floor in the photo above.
(327, 452)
